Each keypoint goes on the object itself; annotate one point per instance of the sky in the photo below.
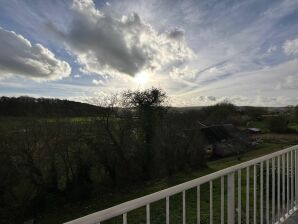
(200, 52)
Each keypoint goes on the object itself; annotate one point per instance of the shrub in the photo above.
(278, 124)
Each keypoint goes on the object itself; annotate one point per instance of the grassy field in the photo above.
(294, 126)
(100, 202)
(262, 125)
(9, 125)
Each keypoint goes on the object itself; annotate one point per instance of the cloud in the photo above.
(291, 47)
(186, 73)
(238, 100)
(19, 57)
(238, 51)
(290, 82)
(271, 49)
(107, 43)
(176, 34)
(97, 82)
(263, 86)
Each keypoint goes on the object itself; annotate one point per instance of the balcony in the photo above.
(262, 190)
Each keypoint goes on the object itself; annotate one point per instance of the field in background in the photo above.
(294, 126)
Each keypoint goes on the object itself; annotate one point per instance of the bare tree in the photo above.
(149, 109)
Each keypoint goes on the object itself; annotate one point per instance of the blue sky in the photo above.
(199, 52)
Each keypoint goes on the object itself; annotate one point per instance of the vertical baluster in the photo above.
(296, 179)
(124, 218)
(292, 180)
(222, 203)
(288, 189)
(231, 198)
(273, 190)
(211, 201)
(167, 210)
(261, 193)
(267, 192)
(283, 185)
(183, 210)
(278, 188)
(198, 206)
(239, 196)
(148, 214)
(255, 194)
(247, 195)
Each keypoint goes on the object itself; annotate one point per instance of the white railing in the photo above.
(275, 182)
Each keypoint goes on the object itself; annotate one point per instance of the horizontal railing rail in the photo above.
(283, 168)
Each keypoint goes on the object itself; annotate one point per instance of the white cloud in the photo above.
(187, 72)
(97, 82)
(238, 100)
(290, 82)
(267, 83)
(291, 47)
(107, 43)
(19, 57)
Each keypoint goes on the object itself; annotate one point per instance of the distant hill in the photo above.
(184, 109)
(44, 107)
(25, 106)
(269, 109)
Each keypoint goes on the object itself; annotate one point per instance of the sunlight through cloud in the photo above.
(141, 78)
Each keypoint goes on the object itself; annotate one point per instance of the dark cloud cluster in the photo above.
(176, 34)
(106, 43)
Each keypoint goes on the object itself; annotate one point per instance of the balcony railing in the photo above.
(272, 199)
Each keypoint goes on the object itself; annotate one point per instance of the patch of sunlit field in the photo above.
(17, 124)
(294, 126)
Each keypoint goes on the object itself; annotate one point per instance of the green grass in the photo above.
(294, 126)
(258, 124)
(72, 211)
(14, 124)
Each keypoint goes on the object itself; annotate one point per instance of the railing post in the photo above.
(296, 179)
(231, 198)
(167, 210)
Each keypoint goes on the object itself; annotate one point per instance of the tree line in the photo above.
(25, 106)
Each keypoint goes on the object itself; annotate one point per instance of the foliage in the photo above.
(48, 162)
(51, 162)
(296, 113)
(145, 100)
(255, 113)
(46, 159)
(150, 111)
(224, 112)
(278, 124)
(42, 107)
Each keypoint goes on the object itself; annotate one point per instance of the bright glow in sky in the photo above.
(141, 78)
(199, 52)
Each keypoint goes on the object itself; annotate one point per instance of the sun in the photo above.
(141, 78)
